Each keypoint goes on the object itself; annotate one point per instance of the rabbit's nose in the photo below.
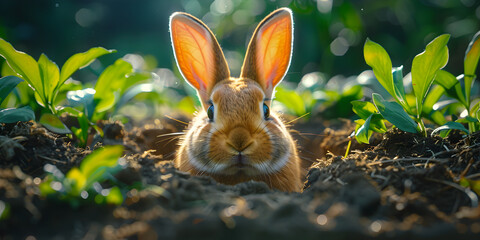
(239, 139)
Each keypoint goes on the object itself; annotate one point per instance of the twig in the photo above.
(475, 175)
(473, 197)
(407, 160)
(51, 159)
(379, 177)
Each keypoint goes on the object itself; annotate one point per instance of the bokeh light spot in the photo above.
(85, 17)
(324, 6)
(339, 46)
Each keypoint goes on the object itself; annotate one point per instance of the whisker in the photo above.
(307, 134)
(169, 155)
(169, 139)
(171, 134)
(256, 129)
(172, 118)
(307, 159)
(298, 118)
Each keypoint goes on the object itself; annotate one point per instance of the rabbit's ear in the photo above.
(198, 54)
(270, 50)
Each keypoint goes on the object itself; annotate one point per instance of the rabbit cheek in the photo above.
(279, 153)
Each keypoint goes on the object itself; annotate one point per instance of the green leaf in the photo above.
(7, 84)
(133, 79)
(82, 132)
(397, 74)
(363, 109)
(50, 76)
(432, 97)
(451, 85)
(114, 196)
(12, 115)
(68, 110)
(53, 123)
(99, 161)
(395, 114)
(187, 105)
(379, 60)
(477, 114)
(7, 70)
(83, 97)
(472, 55)
(81, 60)
(471, 119)
(291, 100)
(426, 65)
(76, 181)
(134, 91)
(111, 81)
(362, 134)
(364, 128)
(377, 123)
(5, 211)
(472, 184)
(450, 126)
(23, 64)
(23, 94)
(437, 117)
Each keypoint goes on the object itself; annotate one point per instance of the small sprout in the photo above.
(83, 183)
(425, 67)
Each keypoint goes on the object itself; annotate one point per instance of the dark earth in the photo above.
(402, 186)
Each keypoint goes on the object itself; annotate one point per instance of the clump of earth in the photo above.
(400, 186)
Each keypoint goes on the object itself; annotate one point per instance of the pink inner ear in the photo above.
(194, 51)
(273, 49)
(201, 84)
(271, 76)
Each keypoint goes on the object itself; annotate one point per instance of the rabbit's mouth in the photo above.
(239, 164)
(239, 160)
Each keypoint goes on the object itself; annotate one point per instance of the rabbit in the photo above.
(235, 137)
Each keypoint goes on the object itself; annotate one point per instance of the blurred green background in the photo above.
(329, 34)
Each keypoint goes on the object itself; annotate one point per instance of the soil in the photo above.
(400, 186)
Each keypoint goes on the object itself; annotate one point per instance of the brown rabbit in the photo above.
(236, 138)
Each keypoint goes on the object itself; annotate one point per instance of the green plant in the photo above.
(87, 105)
(44, 76)
(46, 81)
(82, 184)
(109, 88)
(313, 96)
(425, 67)
(292, 101)
(92, 104)
(448, 84)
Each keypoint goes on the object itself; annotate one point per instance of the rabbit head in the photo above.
(235, 137)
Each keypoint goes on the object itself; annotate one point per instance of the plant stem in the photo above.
(348, 148)
(471, 126)
(423, 130)
(469, 79)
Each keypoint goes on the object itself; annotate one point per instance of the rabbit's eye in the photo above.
(266, 111)
(210, 112)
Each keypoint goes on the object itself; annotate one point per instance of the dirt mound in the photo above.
(403, 186)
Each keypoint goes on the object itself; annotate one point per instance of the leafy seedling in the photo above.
(82, 184)
(44, 76)
(452, 86)
(425, 67)
(111, 85)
